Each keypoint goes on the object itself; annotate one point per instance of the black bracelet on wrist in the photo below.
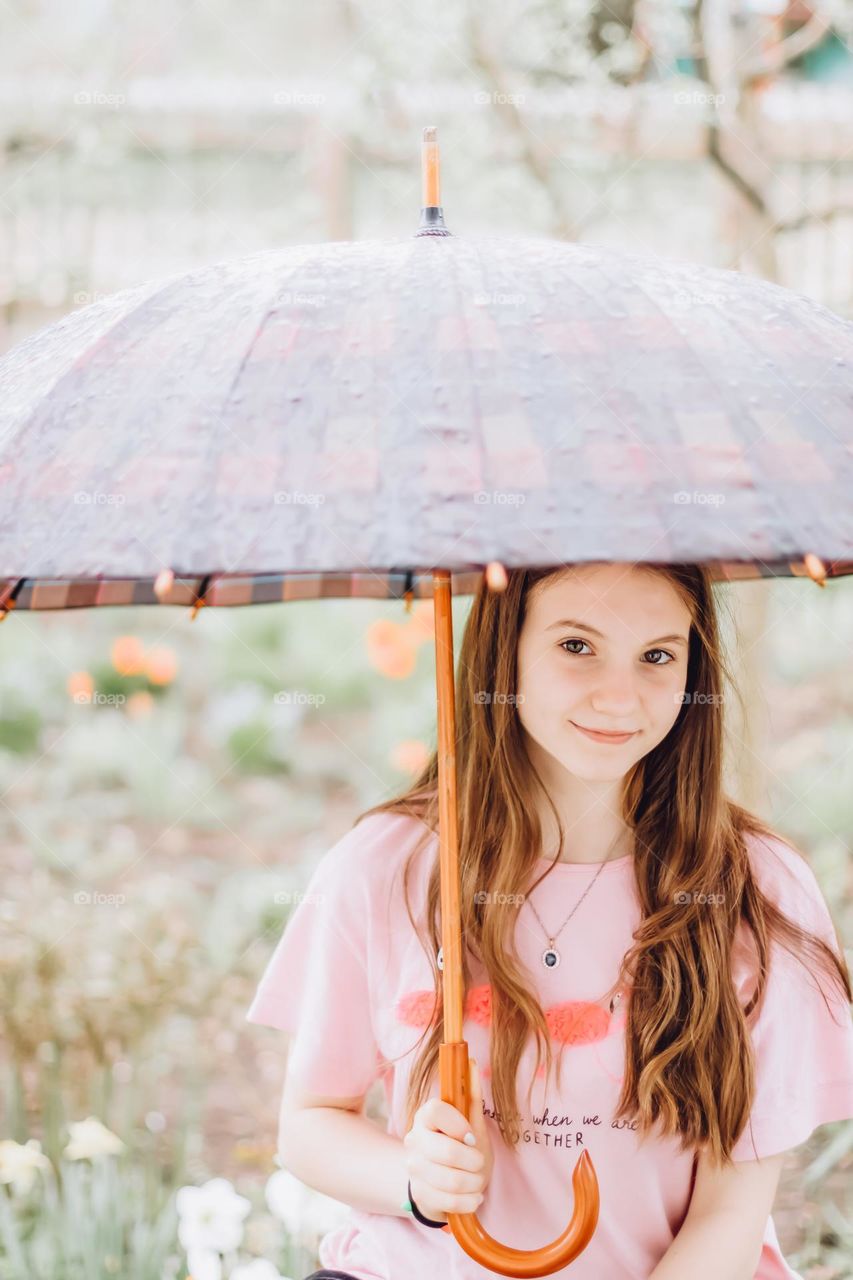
(427, 1222)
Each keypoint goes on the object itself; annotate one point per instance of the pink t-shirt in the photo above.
(350, 979)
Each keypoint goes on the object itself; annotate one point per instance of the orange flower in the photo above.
(139, 704)
(410, 756)
(383, 634)
(161, 665)
(127, 655)
(398, 665)
(81, 686)
(390, 649)
(421, 625)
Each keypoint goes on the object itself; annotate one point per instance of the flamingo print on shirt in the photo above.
(572, 1022)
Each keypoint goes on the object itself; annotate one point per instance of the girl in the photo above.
(618, 906)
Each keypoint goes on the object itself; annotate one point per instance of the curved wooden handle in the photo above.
(469, 1231)
(483, 1248)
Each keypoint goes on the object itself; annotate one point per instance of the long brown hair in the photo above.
(689, 1063)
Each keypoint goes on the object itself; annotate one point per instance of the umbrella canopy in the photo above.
(328, 419)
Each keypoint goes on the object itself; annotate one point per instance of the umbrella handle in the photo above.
(469, 1232)
(453, 1051)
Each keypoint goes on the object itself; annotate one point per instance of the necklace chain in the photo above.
(551, 957)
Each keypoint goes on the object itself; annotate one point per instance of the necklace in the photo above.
(551, 956)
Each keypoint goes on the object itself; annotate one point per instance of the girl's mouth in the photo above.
(598, 735)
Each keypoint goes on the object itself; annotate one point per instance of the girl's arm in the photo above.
(721, 1236)
(330, 1145)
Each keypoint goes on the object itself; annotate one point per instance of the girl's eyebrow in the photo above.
(593, 631)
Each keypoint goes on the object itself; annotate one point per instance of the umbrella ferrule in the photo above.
(432, 222)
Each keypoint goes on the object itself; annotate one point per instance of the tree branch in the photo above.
(794, 46)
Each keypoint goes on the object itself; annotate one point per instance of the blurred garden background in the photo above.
(167, 784)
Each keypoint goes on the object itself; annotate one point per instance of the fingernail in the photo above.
(470, 1139)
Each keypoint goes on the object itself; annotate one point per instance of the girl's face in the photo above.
(602, 648)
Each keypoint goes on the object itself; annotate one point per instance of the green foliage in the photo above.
(20, 731)
(96, 1220)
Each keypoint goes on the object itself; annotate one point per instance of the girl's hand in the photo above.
(447, 1174)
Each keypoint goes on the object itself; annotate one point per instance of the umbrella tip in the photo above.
(163, 584)
(496, 576)
(815, 568)
(432, 214)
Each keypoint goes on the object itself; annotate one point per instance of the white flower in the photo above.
(322, 1214)
(204, 1264)
(18, 1163)
(305, 1214)
(257, 1269)
(89, 1139)
(284, 1194)
(211, 1216)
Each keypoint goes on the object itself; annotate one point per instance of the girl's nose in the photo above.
(616, 698)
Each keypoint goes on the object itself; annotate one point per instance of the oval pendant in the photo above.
(440, 958)
(551, 958)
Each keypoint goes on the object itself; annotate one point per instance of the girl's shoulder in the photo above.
(375, 848)
(785, 875)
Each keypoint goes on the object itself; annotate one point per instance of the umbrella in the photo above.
(394, 419)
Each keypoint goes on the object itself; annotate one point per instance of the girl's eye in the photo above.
(665, 652)
(565, 642)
